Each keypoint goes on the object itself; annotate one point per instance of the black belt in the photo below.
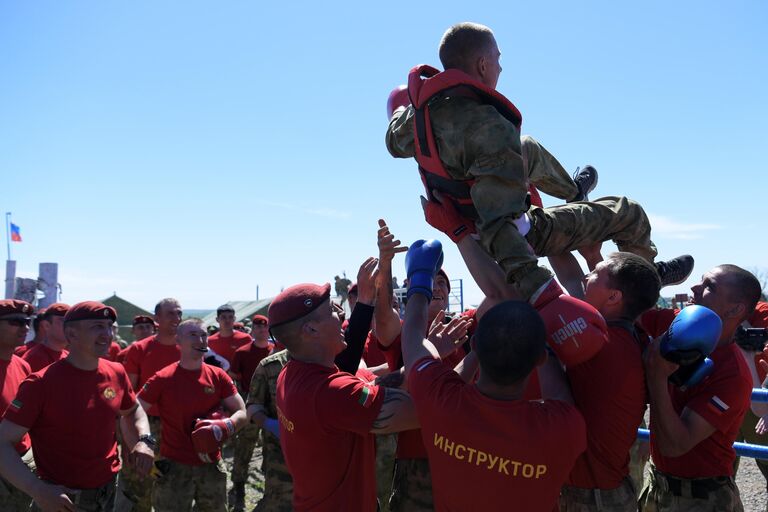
(699, 488)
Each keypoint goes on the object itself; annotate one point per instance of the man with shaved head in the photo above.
(693, 429)
(465, 136)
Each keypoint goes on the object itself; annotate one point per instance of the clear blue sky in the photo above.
(198, 149)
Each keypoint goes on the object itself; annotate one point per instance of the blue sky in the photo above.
(198, 150)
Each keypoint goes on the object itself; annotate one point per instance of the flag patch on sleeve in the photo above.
(425, 364)
(16, 405)
(366, 397)
(716, 404)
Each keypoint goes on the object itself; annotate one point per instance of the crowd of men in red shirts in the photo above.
(529, 402)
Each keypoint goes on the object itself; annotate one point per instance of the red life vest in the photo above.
(424, 84)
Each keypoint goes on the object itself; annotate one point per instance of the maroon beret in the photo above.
(352, 288)
(296, 302)
(90, 310)
(12, 309)
(259, 320)
(57, 309)
(143, 319)
(441, 272)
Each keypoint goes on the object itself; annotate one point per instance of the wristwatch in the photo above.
(149, 440)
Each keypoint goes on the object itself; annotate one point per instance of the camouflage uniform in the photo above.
(657, 496)
(244, 444)
(386, 446)
(476, 142)
(637, 463)
(134, 494)
(620, 499)
(101, 499)
(11, 498)
(411, 486)
(180, 484)
(545, 172)
(278, 484)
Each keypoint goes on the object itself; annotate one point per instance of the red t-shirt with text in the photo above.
(514, 454)
(326, 415)
(609, 391)
(722, 400)
(40, 356)
(226, 346)
(70, 414)
(12, 374)
(182, 396)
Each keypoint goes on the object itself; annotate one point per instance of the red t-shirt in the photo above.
(609, 391)
(226, 346)
(146, 357)
(513, 453)
(409, 443)
(114, 349)
(373, 355)
(12, 373)
(326, 415)
(656, 321)
(40, 356)
(245, 361)
(20, 351)
(182, 396)
(722, 400)
(70, 414)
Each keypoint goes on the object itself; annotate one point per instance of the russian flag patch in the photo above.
(718, 405)
(425, 364)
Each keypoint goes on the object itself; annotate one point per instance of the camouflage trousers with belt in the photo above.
(660, 496)
(101, 499)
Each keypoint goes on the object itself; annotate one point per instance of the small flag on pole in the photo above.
(15, 233)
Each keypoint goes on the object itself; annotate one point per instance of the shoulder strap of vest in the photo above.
(426, 82)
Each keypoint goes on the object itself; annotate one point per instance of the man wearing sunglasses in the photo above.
(15, 317)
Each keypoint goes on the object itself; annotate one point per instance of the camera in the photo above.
(752, 339)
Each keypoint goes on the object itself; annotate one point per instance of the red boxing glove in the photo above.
(397, 98)
(576, 331)
(444, 217)
(208, 435)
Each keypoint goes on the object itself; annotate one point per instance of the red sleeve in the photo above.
(227, 386)
(722, 400)
(152, 389)
(237, 363)
(132, 359)
(349, 404)
(29, 402)
(129, 397)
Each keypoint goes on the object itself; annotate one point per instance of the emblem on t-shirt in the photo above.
(208, 390)
(718, 405)
(109, 393)
(16, 405)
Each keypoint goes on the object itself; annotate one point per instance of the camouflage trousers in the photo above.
(639, 455)
(411, 486)
(545, 172)
(244, 444)
(182, 484)
(561, 229)
(101, 499)
(134, 494)
(11, 498)
(658, 496)
(620, 499)
(386, 446)
(278, 485)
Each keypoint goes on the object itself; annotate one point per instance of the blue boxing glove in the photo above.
(272, 425)
(691, 337)
(422, 261)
